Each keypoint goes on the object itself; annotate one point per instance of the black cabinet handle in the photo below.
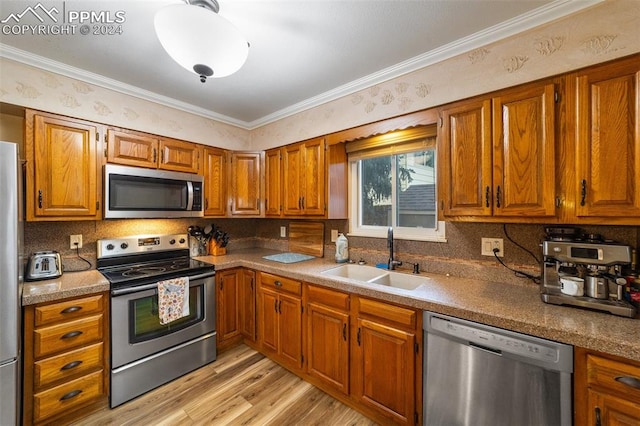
(303, 202)
(359, 330)
(69, 366)
(251, 285)
(71, 334)
(40, 198)
(598, 419)
(487, 200)
(275, 306)
(278, 284)
(344, 331)
(498, 196)
(280, 307)
(155, 156)
(634, 382)
(71, 309)
(583, 192)
(70, 395)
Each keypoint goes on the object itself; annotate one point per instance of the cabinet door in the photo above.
(293, 168)
(179, 156)
(465, 153)
(290, 330)
(228, 324)
(245, 183)
(273, 183)
(247, 304)
(313, 178)
(62, 178)
(384, 370)
(328, 346)
(132, 148)
(524, 152)
(215, 182)
(268, 320)
(608, 141)
(612, 410)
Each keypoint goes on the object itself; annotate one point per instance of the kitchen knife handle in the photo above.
(583, 192)
(71, 309)
(69, 366)
(71, 334)
(71, 394)
(634, 382)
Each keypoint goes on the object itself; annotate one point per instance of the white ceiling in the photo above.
(303, 52)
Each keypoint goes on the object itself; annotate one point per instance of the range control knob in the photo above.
(182, 240)
(123, 246)
(110, 246)
(172, 241)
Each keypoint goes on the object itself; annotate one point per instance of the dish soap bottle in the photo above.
(342, 249)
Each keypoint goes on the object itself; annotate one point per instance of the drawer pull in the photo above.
(71, 309)
(69, 366)
(71, 334)
(71, 394)
(278, 283)
(634, 382)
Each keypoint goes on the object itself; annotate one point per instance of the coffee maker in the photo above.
(587, 273)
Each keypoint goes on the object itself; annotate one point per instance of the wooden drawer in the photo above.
(328, 297)
(68, 396)
(619, 377)
(67, 335)
(69, 364)
(387, 313)
(280, 283)
(69, 309)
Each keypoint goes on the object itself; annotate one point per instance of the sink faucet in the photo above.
(392, 263)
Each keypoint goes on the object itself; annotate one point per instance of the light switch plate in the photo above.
(283, 231)
(334, 235)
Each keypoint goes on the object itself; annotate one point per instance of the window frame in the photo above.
(390, 144)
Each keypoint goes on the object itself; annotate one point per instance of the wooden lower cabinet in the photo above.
(235, 307)
(247, 304)
(66, 359)
(280, 319)
(327, 338)
(606, 389)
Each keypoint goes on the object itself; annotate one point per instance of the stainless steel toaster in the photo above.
(44, 265)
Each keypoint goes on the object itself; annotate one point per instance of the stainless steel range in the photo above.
(146, 351)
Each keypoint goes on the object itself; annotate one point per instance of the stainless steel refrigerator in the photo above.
(11, 267)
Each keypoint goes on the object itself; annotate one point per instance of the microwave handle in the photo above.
(189, 196)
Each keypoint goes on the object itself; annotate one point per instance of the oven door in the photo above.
(136, 331)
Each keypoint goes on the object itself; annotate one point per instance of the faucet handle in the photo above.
(416, 268)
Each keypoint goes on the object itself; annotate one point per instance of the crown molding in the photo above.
(543, 15)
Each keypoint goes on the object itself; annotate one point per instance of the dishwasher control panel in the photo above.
(496, 340)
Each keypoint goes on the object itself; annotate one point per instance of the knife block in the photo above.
(215, 250)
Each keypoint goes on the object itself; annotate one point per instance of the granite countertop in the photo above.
(515, 307)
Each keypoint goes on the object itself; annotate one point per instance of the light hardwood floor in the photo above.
(241, 387)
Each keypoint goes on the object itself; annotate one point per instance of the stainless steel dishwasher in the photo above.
(479, 375)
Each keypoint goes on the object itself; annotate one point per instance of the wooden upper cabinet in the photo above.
(246, 183)
(608, 141)
(465, 153)
(139, 149)
(497, 155)
(63, 180)
(179, 156)
(215, 181)
(524, 152)
(303, 167)
(273, 183)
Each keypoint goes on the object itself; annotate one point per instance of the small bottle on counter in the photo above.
(342, 249)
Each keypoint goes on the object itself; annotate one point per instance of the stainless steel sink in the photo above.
(371, 275)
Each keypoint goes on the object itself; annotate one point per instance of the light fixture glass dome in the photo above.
(200, 40)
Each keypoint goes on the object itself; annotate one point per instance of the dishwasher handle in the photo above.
(486, 349)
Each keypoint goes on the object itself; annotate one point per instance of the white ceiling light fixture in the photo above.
(200, 40)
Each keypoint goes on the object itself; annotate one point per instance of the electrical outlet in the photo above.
(334, 235)
(283, 231)
(75, 239)
(488, 244)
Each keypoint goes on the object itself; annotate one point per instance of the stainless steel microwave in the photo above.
(133, 192)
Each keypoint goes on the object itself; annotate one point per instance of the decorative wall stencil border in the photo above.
(600, 44)
(514, 63)
(478, 55)
(549, 45)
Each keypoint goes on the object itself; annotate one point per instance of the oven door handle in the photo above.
(137, 289)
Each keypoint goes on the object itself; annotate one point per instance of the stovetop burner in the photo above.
(141, 260)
